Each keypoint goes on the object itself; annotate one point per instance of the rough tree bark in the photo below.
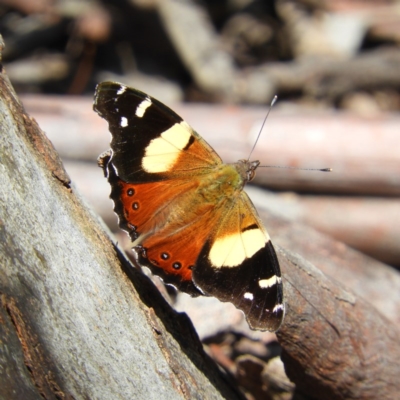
(335, 344)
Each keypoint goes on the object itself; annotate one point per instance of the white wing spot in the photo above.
(124, 122)
(248, 296)
(121, 90)
(267, 283)
(142, 107)
(277, 308)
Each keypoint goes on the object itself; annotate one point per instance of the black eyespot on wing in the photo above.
(175, 280)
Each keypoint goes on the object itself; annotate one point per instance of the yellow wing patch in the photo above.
(240, 235)
(163, 152)
(232, 250)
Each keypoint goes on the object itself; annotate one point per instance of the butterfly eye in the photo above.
(130, 192)
(251, 171)
(251, 174)
(176, 265)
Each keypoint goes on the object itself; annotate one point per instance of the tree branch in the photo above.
(335, 344)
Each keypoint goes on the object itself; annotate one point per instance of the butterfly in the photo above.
(186, 211)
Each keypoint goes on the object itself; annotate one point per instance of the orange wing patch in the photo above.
(136, 199)
(177, 254)
(176, 247)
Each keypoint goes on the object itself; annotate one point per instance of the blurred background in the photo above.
(341, 54)
(335, 66)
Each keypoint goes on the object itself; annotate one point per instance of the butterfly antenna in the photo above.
(262, 126)
(299, 169)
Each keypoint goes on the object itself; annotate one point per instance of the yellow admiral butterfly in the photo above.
(185, 210)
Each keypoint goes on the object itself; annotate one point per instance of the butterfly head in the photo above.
(247, 169)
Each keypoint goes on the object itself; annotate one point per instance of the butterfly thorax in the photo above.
(226, 181)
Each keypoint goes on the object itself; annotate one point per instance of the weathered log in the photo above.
(366, 277)
(363, 152)
(332, 78)
(368, 224)
(335, 345)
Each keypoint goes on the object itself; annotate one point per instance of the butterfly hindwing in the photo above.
(239, 264)
(172, 252)
(189, 219)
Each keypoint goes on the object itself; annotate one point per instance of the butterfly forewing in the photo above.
(185, 211)
(150, 142)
